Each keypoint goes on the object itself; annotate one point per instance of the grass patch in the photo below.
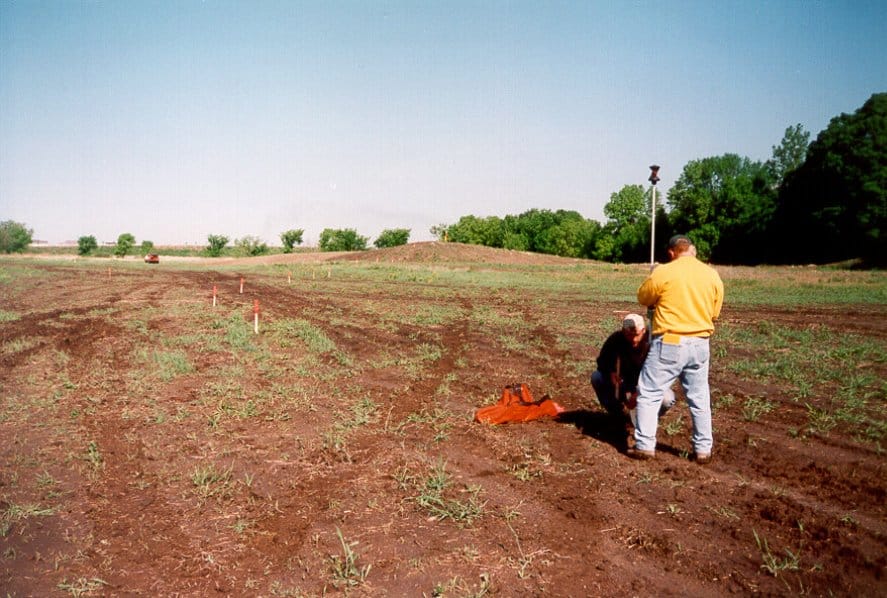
(18, 345)
(238, 333)
(171, 364)
(772, 563)
(313, 337)
(8, 316)
(755, 407)
(94, 456)
(210, 482)
(82, 586)
(346, 571)
(334, 439)
(438, 419)
(834, 375)
(434, 315)
(15, 513)
(436, 498)
(675, 426)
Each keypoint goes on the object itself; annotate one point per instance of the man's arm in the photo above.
(606, 361)
(719, 297)
(648, 292)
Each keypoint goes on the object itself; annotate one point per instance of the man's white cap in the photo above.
(634, 322)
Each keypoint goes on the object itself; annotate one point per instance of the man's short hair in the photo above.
(679, 243)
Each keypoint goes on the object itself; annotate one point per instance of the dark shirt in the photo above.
(631, 358)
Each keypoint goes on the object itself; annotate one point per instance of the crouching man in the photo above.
(615, 381)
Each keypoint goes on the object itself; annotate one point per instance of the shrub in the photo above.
(86, 245)
(14, 237)
(125, 244)
(341, 240)
(216, 244)
(392, 237)
(290, 238)
(147, 247)
(250, 245)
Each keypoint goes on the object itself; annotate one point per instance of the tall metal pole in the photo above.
(654, 178)
(653, 229)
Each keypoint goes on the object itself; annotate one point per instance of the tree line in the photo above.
(331, 239)
(15, 237)
(818, 202)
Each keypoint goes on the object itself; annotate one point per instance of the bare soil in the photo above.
(100, 459)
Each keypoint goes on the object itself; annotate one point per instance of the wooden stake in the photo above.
(215, 290)
(241, 285)
(256, 316)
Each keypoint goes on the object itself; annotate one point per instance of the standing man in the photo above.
(686, 296)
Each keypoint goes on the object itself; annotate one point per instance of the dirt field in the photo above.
(153, 445)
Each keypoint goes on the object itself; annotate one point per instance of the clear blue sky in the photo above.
(176, 120)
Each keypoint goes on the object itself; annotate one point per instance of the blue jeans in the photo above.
(687, 361)
(606, 394)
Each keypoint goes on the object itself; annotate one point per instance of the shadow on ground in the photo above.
(600, 426)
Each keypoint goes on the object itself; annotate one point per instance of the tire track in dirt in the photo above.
(132, 521)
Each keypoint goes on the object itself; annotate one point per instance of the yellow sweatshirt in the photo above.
(687, 296)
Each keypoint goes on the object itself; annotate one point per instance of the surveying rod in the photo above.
(654, 178)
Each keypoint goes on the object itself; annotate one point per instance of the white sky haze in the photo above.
(176, 120)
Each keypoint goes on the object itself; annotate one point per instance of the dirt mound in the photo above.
(425, 252)
(438, 252)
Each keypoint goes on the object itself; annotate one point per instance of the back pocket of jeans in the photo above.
(669, 353)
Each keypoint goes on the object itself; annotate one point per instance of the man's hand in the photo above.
(631, 400)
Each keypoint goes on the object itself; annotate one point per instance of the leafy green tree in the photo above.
(251, 246)
(489, 231)
(573, 237)
(86, 245)
(789, 154)
(147, 247)
(342, 240)
(834, 206)
(125, 243)
(392, 237)
(627, 206)
(216, 244)
(604, 247)
(516, 241)
(564, 232)
(527, 227)
(725, 204)
(540, 227)
(290, 238)
(14, 237)
(628, 226)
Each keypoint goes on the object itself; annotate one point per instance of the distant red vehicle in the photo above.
(152, 258)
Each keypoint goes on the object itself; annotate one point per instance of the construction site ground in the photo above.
(153, 444)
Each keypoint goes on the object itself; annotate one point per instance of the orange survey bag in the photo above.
(517, 405)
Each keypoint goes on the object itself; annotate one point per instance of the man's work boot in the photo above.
(640, 455)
